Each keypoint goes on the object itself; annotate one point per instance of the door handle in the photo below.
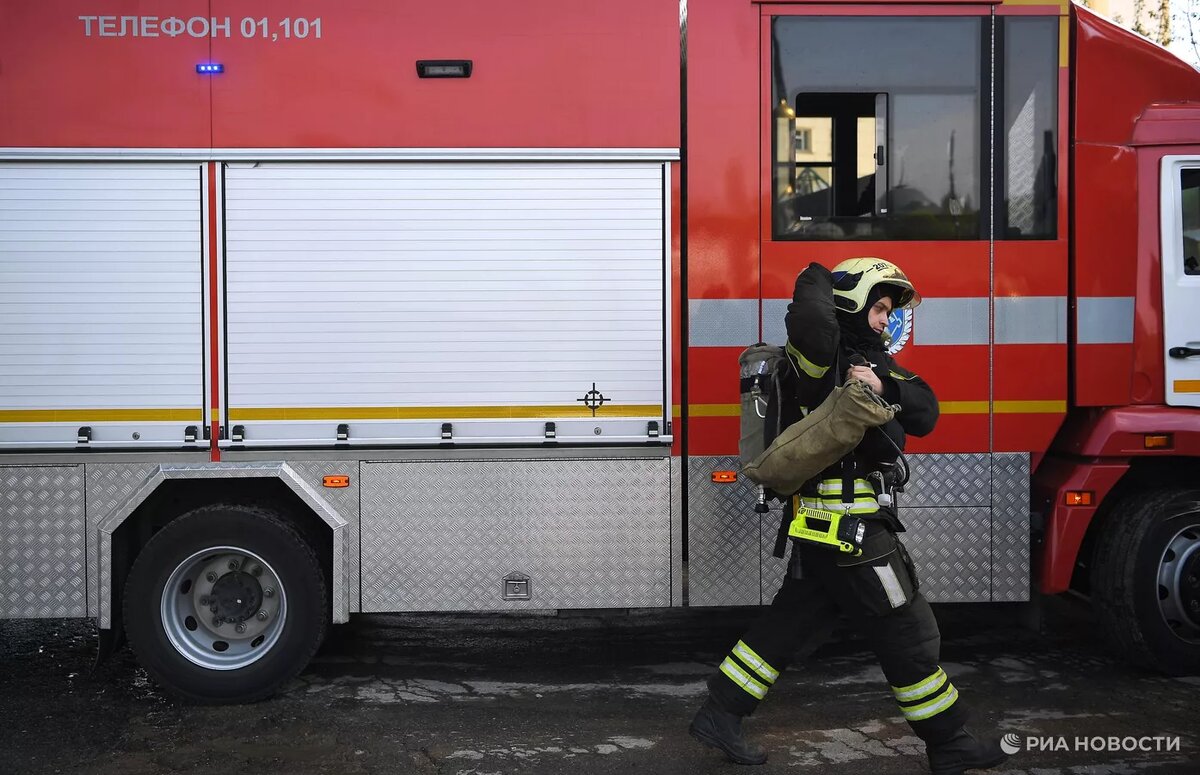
(1183, 352)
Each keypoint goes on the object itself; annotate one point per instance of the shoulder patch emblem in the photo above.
(899, 330)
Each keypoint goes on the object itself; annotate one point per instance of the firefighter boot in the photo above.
(963, 752)
(722, 729)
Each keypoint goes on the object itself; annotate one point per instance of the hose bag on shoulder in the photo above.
(821, 438)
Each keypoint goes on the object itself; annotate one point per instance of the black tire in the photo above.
(1146, 579)
(225, 604)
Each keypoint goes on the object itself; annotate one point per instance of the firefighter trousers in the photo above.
(878, 593)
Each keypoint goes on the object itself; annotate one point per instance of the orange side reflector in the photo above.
(1078, 497)
(724, 476)
(1159, 441)
(337, 480)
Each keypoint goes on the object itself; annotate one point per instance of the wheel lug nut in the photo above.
(257, 570)
(262, 616)
(1194, 605)
(210, 576)
(233, 565)
(240, 628)
(218, 621)
(269, 592)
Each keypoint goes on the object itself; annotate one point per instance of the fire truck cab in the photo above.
(1029, 166)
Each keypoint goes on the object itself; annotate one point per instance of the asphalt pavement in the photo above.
(588, 693)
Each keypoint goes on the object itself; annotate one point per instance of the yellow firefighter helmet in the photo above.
(854, 278)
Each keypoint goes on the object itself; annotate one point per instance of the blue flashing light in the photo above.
(210, 69)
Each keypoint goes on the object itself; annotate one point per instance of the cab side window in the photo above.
(1028, 150)
(878, 130)
(1189, 197)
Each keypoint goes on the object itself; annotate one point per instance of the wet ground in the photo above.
(586, 694)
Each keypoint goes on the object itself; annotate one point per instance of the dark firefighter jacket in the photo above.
(820, 361)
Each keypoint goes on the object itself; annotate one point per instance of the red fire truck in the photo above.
(371, 306)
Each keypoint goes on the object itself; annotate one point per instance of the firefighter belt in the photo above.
(824, 436)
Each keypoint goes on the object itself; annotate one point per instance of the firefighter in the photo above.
(836, 326)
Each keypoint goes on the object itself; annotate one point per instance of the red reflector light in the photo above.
(1159, 441)
(337, 480)
(1078, 497)
(724, 476)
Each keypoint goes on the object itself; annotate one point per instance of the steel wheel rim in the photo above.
(250, 603)
(1179, 584)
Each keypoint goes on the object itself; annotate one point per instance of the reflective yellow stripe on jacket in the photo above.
(804, 364)
(829, 496)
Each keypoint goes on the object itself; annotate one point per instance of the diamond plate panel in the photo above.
(1010, 527)
(676, 531)
(724, 536)
(967, 520)
(108, 486)
(773, 568)
(345, 500)
(589, 533)
(42, 542)
(951, 548)
(948, 480)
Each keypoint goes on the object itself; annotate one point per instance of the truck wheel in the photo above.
(225, 604)
(1146, 579)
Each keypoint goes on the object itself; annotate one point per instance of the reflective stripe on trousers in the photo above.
(748, 671)
(926, 698)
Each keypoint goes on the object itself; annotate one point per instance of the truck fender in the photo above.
(270, 470)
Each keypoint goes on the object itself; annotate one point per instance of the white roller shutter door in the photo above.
(398, 297)
(100, 303)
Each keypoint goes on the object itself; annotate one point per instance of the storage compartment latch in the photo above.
(516, 587)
